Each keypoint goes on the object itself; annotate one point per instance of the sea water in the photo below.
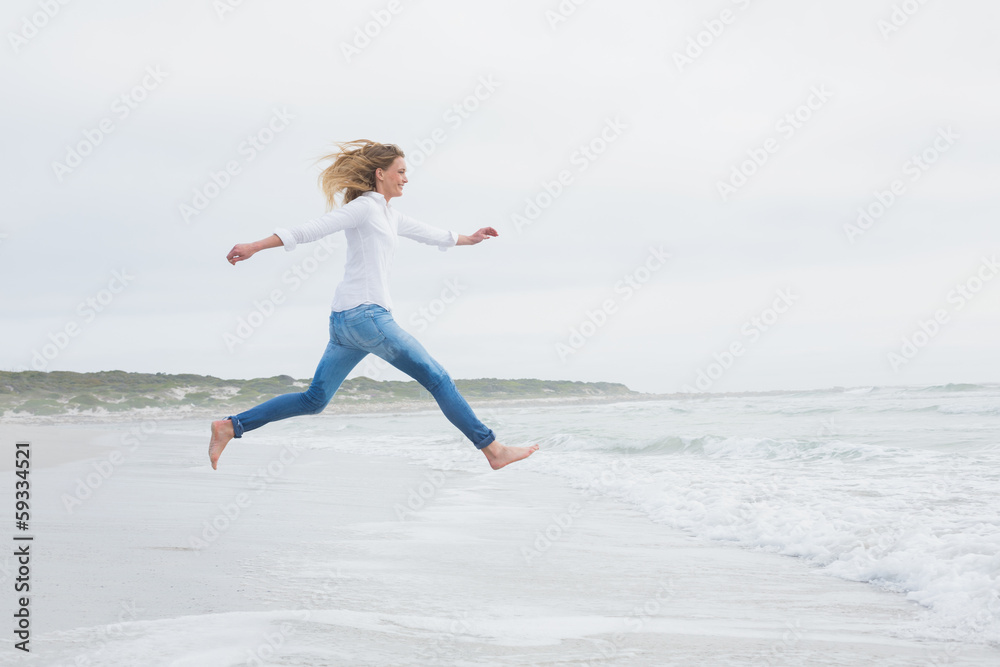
(897, 487)
(894, 487)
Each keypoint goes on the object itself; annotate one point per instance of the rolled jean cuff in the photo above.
(237, 427)
(487, 441)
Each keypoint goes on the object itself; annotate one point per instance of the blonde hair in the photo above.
(353, 170)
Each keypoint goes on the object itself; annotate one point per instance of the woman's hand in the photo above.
(481, 235)
(240, 252)
(243, 251)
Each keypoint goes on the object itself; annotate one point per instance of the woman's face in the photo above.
(394, 178)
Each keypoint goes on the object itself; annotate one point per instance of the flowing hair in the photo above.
(353, 170)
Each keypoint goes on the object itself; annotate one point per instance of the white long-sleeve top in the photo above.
(372, 228)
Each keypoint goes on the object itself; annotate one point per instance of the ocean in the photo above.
(836, 527)
(896, 487)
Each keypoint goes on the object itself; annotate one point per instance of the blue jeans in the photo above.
(354, 333)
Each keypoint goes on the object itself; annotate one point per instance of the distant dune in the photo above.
(110, 393)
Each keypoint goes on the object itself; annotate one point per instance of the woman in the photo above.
(369, 175)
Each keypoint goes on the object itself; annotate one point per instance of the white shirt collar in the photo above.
(377, 196)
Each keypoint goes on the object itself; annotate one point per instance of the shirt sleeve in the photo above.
(347, 216)
(424, 233)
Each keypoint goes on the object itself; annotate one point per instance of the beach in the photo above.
(329, 541)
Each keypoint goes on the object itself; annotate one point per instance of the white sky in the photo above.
(521, 294)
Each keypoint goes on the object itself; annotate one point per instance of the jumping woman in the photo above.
(369, 175)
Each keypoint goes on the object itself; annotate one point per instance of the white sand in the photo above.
(52, 446)
(317, 569)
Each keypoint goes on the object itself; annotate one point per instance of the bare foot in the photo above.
(222, 433)
(500, 455)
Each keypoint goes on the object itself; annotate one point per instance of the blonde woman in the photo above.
(367, 175)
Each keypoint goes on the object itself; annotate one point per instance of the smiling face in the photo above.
(390, 182)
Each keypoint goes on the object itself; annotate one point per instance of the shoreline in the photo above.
(343, 407)
(77, 442)
(482, 567)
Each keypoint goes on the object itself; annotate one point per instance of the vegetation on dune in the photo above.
(65, 392)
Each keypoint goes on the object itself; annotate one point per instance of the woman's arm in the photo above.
(481, 235)
(243, 251)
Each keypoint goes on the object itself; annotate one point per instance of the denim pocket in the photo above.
(333, 329)
(364, 330)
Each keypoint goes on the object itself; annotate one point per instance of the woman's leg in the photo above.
(406, 353)
(333, 368)
(337, 361)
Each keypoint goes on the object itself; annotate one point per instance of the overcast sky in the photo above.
(739, 138)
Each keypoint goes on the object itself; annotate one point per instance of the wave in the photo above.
(916, 522)
(969, 409)
(961, 387)
(722, 447)
(104, 416)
